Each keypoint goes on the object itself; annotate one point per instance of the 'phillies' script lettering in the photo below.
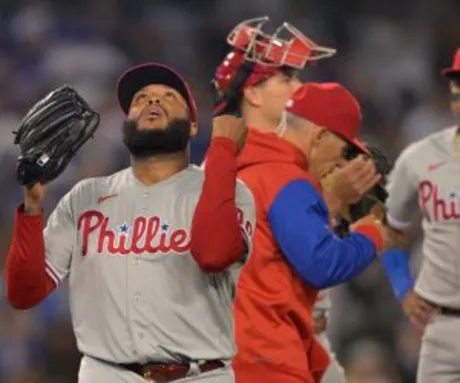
(436, 207)
(146, 236)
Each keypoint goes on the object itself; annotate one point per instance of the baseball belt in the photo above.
(169, 372)
(448, 311)
(443, 310)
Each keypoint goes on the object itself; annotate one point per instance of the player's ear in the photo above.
(317, 134)
(252, 95)
(133, 113)
(193, 129)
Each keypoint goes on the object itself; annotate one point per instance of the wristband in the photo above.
(396, 265)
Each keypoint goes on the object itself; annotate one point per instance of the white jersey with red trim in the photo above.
(136, 292)
(426, 180)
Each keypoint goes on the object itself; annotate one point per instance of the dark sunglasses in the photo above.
(350, 152)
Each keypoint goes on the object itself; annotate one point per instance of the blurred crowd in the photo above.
(389, 54)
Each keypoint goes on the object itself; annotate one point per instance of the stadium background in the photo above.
(390, 55)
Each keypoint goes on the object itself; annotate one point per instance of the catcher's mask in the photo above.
(256, 55)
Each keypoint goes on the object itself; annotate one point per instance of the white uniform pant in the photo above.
(95, 371)
(439, 360)
(335, 372)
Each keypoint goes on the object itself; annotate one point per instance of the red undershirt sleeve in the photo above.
(217, 240)
(27, 281)
(39, 258)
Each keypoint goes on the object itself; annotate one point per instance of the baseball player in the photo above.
(266, 70)
(425, 180)
(147, 250)
(335, 373)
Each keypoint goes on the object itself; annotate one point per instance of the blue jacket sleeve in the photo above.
(299, 220)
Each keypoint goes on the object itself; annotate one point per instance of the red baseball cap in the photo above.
(454, 71)
(137, 77)
(329, 105)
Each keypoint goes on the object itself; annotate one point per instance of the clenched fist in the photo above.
(231, 127)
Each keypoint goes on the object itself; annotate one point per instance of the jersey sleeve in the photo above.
(217, 241)
(59, 235)
(246, 215)
(402, 203)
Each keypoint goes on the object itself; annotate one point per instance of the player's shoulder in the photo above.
(272, 173)
(193, 177)
(196, 171)
(438, 141)
(266, 181)
(243, 192)
(444, 139)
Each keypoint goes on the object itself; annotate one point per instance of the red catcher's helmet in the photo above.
(257, 55)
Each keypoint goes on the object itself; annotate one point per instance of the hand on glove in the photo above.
(362, 181)
(51, 133)
(347, 185)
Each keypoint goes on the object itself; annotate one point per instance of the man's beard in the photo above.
(143, 143)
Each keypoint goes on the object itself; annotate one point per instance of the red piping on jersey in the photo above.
(216, 238)
(27, 282)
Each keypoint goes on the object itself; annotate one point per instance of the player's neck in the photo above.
(260, 123)
(155, 169)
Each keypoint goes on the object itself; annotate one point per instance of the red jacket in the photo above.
(273, 307)
(295, 254)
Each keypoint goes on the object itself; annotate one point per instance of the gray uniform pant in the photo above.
(335, 372)
(92, 371)
(439, 360)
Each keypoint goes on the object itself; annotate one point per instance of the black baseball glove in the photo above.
(374, 200)
(51, 133)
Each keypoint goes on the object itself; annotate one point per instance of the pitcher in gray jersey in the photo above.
(426, 180)
(151, 251)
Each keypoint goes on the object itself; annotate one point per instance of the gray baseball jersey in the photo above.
(136, 293)
(426, 180)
